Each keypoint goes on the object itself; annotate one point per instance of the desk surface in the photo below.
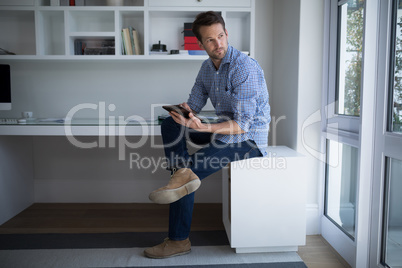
(82, 127)
(132, 126)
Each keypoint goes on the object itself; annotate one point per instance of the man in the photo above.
(236, 87)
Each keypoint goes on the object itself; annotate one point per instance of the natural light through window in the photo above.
(397, 68)
(350, 50)
(392, 233)
(341, 179)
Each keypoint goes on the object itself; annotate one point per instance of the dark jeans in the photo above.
(212, 157)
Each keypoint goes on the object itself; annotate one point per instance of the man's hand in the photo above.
(193, 122)
(228, 127)
(185, 105)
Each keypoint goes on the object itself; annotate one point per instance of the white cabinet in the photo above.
(264, 202)
(42, 31)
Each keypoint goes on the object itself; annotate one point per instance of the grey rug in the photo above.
(209, 249)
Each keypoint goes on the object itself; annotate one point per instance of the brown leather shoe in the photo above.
(183, 182)
(169, 248)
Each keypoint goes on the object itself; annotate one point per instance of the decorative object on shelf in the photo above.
(72, 2)
(55, 2)
(159, 47)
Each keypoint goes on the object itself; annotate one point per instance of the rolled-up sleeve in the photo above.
(198, 96)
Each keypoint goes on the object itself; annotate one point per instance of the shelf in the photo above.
(18, 31)
(109, 3)
(92, 34)
(51, 29)
(44, 32)
(204, 3)
(91, 21)
(131, 58)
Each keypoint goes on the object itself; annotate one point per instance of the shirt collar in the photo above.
(228, 55)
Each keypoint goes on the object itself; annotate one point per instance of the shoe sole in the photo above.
(165, 257)
(171, 195)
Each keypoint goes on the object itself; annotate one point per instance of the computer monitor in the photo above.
(5, 87)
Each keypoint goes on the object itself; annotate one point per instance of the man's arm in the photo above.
(226, 128)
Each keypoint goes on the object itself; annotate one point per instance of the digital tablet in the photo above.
(178, 109)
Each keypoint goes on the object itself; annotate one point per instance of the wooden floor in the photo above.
(102, 218)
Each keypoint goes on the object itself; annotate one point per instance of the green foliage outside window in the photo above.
(354, 43)
(397, 98)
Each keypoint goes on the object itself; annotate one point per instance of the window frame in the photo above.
(341, 128)
(344, 129)
(344, 125)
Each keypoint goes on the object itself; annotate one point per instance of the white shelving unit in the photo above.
(35, 30)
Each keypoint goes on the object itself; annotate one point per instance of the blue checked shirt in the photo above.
(238, 92)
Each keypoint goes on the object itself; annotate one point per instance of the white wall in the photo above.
(296, 93)
(309, 104)
(16, 176)
(264, 33)
(285, 73)
(52, 88)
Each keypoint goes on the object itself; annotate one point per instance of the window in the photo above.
(350, 50)
(395, 123)
(341, 181)
(391, 244)
(392, 227)
(341, 126)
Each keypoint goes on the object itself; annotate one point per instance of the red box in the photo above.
(192, 47)
(190, 40)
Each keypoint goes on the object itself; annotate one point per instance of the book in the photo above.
(130, 42)
(127, 42)
(190, 40)
(123, 46)
(136, 43)
(130, 30)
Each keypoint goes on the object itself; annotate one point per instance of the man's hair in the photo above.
(206, 19)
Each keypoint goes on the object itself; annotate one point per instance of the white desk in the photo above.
(82, 127)
(16, 153)
(263, 201)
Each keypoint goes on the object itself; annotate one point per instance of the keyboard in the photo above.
(8, 121)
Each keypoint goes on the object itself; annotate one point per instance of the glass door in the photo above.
(342, 125)
(386, 231)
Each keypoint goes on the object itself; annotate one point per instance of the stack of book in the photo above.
(130, 42)
(190, 41)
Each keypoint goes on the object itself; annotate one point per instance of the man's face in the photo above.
(214, 41)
